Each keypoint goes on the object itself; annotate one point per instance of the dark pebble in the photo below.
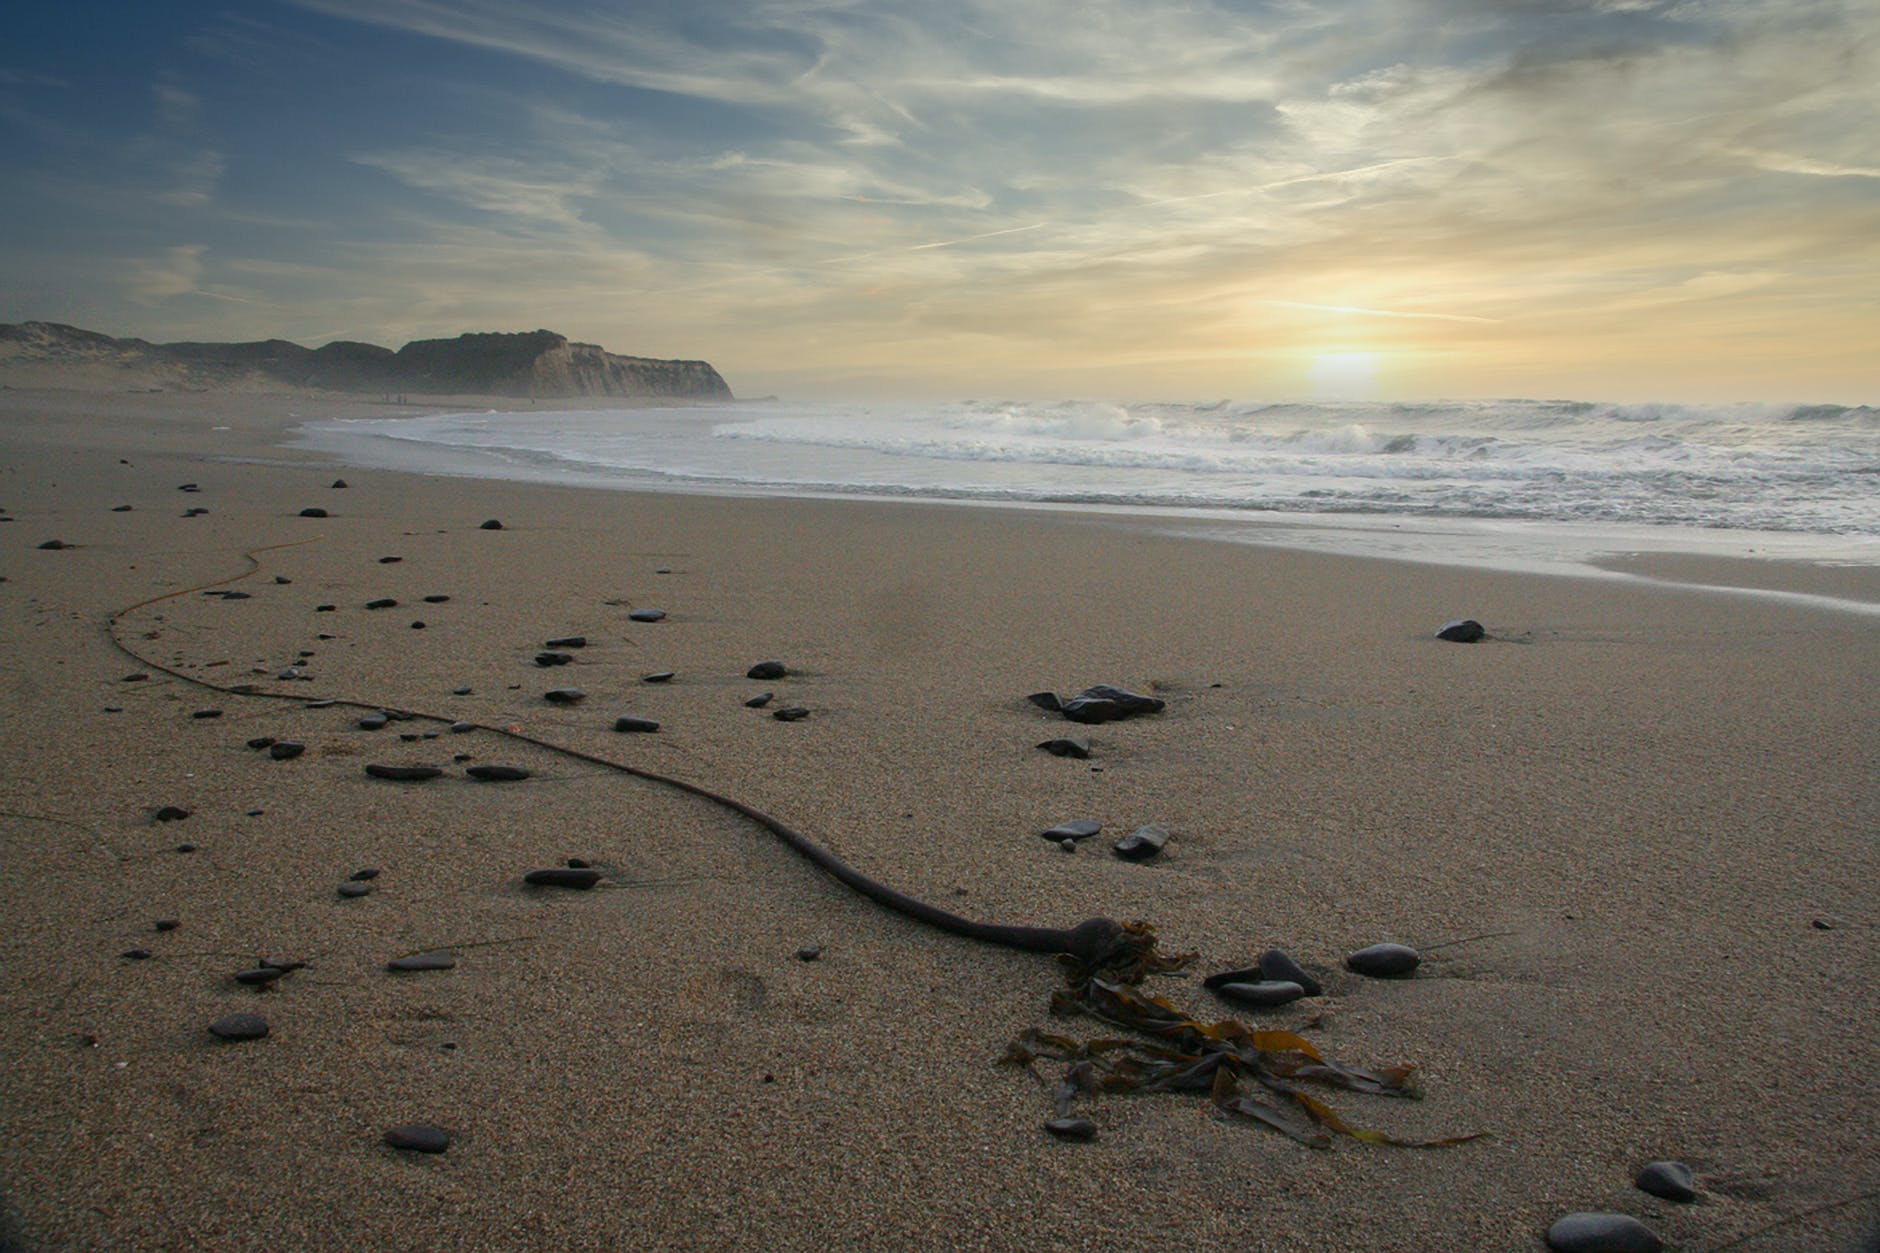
(626, 723)
(437, 959)
(491, 525)
(1104, 703)
(283, 964)
(564, 696)
(364, 876)
(436, 598)
(809, 952)
(647, 615)
(1602, 1233)
(281, 580)
(206, 713)
(546, 660)
(326, 608)
(373, 722)
(120, 508)
(1266, 994)
(417, 626)
(172, 813)
(188, 487)
(194, 513)
(790, 713)
(496, 774)
(185, 848)
(563, 877)
(239, 1027)
(1067, 748)
(321, 704)
(390, 561)
(1462, 631)
(1072, 1128)
(338, 483)
(1674, 1181)
(1384, 961)
(1046, 700)
(759, 701)
(766, 670)
(383, 602)
(236, 596)
(1142, 843)
(658, 676)
(1075, 829)
(404, 774)
(167, 924)
(461, 691)
(460, 728)
(567, 641)
(1277, 965)
(418, 1137)
(260, 976)
(136, 954)
(577, 863)
(353, 891)
(261, 741)
(54, 545)
(313, 513)
(286, 750)
(139, 677)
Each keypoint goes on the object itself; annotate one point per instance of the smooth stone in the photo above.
(185, 848)
(189, 487)
(1104, 703)
(136, 954)
(390, 561)
(564, 696)
(462, 728)
(790, 713)
(139, 677)
(417, 626)
(262, 741)
(404, 774)
(194, 513)
(545, 660)
(353, 891)
(1674, 1181)
(626, 723)
(1068, 845)
(286, 750)
(577, 863)
(120, 509)
(1142, 843)
(166, 924)
(438, 959)
(658, 676)
(647, 615)
(491, 525)
(283, 964)
(418, 1137)
(567, 641)
(326, 608)
(260, 976)
(580, 879)
(1046, 700)
(236, 596)
(759, 701)
(206, 713)
(364, 876)
(766, 670)
(496, 774)
(1384, 961)
(1266, 994)
(1602, 1233)
(313, 513)
(1072, 1128)
(1075, 829)
(383, 602)
(172, 813)
(54, 545)
(809, 952)
(340, 483)
(321, 704)
(1067, 748)
(461, 691)
(436, 598)
(281, 580)
(1277, 965)
(1461, 631)
(239, 1027)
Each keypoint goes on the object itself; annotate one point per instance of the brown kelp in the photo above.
(1261, 1075)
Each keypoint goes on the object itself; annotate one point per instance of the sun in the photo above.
(1344, 375)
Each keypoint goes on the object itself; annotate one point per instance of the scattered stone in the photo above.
(626, 723)
(1067, 748)
(662, 569)
(1266, 994)
(576, 863)
(765, 671)
(171, 813)
(166, 924)
(564, 696)
(580, 879)
(491, 525)
(286, 750)
(1046, 700)
(1072, 1128)
(1461, 631)
(260, 976)
(647, 615)
(1823, 924)
(1068, 845)
(418, 1137)
(374, 722)
(383, 602)
(460, 728)
(418, 625)
(286, 965)
(760, 700)
(567, 641)
(314, 512)
(281, 580)
(1075, 829)
(120, 509)
(1277, 965)
(437, 959)
(188, 487)
(1602, 1233)
(404, 774)
(54, 545)
(1674, 1181)
(321, 704)
(185, 848)
(340, 483)
(135, 954)
(436, 598)
(239, 1027)
(139, 677)
(809, 952)
(790, 713)
(1384, 961)
(496, 774)
(461, 691)
(1143, 843)
(235, 596)
(325, 608)
(261, 741)
(1104, 703)
(545, 660)
(354, 891)
(206, 713)
(364, 876)
(194, 513)
(658, 676)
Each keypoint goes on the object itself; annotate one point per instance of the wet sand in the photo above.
(1633, 835)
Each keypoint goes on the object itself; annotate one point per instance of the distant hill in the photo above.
(531, 363)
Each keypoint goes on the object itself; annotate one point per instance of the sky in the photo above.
(1131, 199)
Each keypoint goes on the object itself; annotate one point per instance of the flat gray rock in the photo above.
(1266, 994)
(437, 959)
(418, 1137)
(647, 615)
(579, 879)
(627, 724)
(1674, 1181)
(1143, 843)
(403, 774)
(239, 1027)
(1602, 1233)
(1384, 961)
(1075, 829)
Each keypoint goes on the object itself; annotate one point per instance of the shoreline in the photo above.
(1631, 834)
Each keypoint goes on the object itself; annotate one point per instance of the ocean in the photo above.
(1522, 484)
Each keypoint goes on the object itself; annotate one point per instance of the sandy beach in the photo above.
(1632, 835)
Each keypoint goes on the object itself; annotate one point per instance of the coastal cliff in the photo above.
(532, 363)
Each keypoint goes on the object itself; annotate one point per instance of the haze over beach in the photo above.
(599, 598)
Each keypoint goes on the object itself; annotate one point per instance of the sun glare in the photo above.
(1344, 375)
